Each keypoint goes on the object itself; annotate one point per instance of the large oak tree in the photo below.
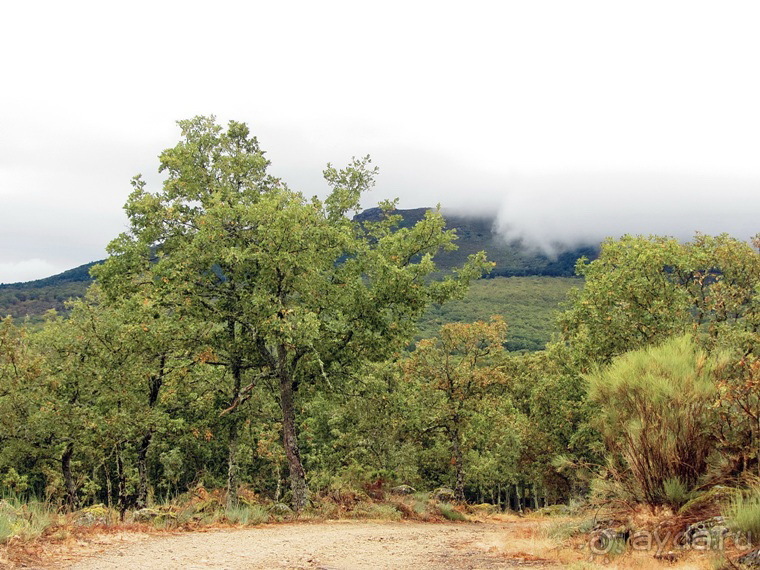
(299, 292)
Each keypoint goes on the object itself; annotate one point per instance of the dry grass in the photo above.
(573, 549)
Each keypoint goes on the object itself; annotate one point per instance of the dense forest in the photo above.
(244, 337)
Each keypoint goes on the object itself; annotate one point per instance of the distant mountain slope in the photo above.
(512, 259)
(528, 304)
(79, 274)
(34, 298)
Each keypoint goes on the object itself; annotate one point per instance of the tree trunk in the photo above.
(458, 462)
(109, 490)
(68, 478)
(121, 480)
(232, 443)
(290, 442)
(278, 477)
(154, 387)
(232, 466)
(142, 470)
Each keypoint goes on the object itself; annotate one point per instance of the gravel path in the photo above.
(329, 546)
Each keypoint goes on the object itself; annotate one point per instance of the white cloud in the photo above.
(27, 270)
(575, 208)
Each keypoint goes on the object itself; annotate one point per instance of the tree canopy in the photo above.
(297, 291)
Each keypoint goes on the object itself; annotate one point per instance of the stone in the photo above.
(708, 534)
(280, 509)
(145, 515)
(94, 515)
(444, 494)
(403, 490)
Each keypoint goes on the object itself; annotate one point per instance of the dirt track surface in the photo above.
(328, 546)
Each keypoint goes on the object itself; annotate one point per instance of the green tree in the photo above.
(455, 369)
(641, 291)
(298, 292)
(135, 351)
(21, 371)
(553, 399)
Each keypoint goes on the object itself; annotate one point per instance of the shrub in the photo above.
(708, 504)
(563, 530)
(25, 520)
(676, 492)
(450, 513)
(366, 510)
(743, 513)
(420, 507)
(246, 514)
(654, 415)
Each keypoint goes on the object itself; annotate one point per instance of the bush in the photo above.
(450, 513)
(655, 417)
(24, 520)
(246, 514)
(676, 492)
(743, 513)
(563, 530)
(365, 510)
(709, 503)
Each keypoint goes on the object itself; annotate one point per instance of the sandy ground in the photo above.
(329, 546)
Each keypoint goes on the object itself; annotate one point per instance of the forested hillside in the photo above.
(32, 299)
(510, 259)
(529, 306)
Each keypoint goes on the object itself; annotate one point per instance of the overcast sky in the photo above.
(571, 120)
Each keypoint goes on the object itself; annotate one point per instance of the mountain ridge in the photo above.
(475, 233)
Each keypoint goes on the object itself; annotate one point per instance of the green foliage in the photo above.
(368, 510)
(654, 412)
(25, 520)
(743, 513)
(566, 529)
(294, 291)
(244, 337)
(706, 504)
(453, 373)
(676, 492)
(528, 304)
(558, 443)
(15, 483)
(641, 291)
(246, 514)
(449, 512)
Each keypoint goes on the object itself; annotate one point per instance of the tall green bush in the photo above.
(655, 416)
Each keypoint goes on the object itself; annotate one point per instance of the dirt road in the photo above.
(332, 545)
